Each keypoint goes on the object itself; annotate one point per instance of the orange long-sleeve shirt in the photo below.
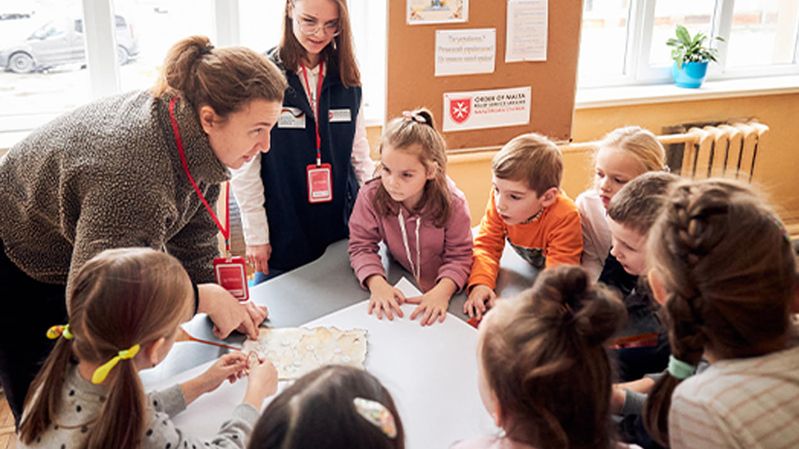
(555, 238)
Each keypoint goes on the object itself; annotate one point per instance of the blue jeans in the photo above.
(261, 277)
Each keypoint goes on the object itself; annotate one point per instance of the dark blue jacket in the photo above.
(299, 231)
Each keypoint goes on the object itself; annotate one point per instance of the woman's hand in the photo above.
(384, 298)
(230, 366)
(258, 256)
(228, 314)
(262, 383)
(481, 298)
(433, 304)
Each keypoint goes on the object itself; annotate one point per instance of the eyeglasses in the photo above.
(309, 27)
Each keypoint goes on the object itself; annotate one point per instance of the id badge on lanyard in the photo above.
(319, 175)
(230, 272)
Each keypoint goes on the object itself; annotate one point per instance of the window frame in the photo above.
(637, 70)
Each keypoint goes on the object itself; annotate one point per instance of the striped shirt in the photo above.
(741, 403)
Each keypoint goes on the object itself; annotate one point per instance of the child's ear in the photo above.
(208, 118)
(152, 352)
(656, 284)
(549, 196)
(432, 170)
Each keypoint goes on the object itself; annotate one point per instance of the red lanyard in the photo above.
(179, 142)
(316, 108)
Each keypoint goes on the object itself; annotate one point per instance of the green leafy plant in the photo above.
(687, 48)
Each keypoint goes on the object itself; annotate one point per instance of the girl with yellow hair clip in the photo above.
(125, 307)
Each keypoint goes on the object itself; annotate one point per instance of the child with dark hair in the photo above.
(642, 346)
(725, 271)
(125, 307)
(333, 407)
(543, 371)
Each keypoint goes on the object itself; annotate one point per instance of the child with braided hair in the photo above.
(543, 372)
(125, 306)
(725, 271)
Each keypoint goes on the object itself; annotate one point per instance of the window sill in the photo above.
(667, 93)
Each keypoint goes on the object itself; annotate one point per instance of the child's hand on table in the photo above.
(262, 382)
(384, 298)
(433, 304)
(230, 366)
(480, 299)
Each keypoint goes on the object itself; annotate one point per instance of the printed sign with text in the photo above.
(487, 108)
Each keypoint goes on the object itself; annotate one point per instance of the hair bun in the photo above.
(594, 312)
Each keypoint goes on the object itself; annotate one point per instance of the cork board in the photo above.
(412, 82)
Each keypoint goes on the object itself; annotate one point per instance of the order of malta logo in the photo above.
(460, 109)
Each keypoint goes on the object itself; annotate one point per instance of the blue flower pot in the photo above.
(690, 75)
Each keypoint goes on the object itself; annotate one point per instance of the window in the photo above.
(75, 65)
(623, 42)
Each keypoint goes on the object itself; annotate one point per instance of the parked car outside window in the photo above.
(61, 42)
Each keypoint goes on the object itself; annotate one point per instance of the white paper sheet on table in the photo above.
(430, 371)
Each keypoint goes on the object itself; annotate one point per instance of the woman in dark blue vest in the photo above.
(309, 180)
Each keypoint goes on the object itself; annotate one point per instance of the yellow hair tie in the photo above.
(102, 372)
(60, 330)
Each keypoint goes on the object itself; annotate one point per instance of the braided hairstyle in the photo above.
(542, 357)
(727, 267)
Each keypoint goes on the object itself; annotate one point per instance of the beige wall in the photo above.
(777, 169)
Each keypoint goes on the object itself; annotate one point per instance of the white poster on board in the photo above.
(465, 52)
(421, 12)
(487, 108)
(528, 26)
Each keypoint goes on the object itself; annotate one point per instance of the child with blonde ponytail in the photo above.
(725, 271)
(125, 306)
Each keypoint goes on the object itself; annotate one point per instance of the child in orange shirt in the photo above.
(527, 208)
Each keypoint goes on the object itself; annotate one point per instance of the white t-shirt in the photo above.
(596, 234)
(739, 403)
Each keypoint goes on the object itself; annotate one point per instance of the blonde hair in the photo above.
(415, 133)
(530, 158)
(639, 143)
(722, 294)
(119, 298)
(339, 54)
(226, 79)
(543, 353)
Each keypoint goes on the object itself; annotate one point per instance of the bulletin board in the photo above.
(411, 80)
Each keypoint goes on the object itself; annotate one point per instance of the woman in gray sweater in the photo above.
(130, 170)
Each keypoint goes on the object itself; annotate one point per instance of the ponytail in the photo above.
(44, 394)
(224, 78)
(115, 429)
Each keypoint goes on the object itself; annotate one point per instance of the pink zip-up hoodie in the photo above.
(416, 243)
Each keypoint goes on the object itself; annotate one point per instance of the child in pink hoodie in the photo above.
(421, 217)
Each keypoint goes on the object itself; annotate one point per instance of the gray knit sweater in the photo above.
(108, 175)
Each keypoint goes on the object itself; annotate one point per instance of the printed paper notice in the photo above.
(527, 31)
(487, 108)
(465, 52)
(421, 12)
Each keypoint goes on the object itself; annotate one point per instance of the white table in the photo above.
(431, 371)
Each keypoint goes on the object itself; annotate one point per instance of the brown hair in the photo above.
(638, 204)
(638, 142)
(340, 53)
(119, 298)
(226, 79)
(317, 411)
(415, 133)
(723, 294)
(543, 355)
(531, 158)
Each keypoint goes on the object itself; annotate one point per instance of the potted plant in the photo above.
(691, 57)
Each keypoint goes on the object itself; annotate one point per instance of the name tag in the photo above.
(339, 115)
(292, 118)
